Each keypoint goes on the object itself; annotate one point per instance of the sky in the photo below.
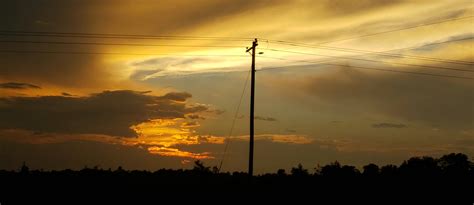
(368, 81)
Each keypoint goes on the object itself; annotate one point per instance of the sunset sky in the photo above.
(148, 84)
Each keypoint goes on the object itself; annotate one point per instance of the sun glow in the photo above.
(162, 135)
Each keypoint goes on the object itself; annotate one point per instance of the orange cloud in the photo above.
(171, 132)
(162, 135)
(157, 136)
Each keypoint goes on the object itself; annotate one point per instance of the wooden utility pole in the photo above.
(252, 105)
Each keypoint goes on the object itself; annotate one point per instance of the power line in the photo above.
(368, 60)
(119, 44)
(372, 34)
(116, 36)
(186, 37)
(129, 35)
(233, 121)
(382, 53)
(395, 30)
(430, 44)
(230, 46)
(358, 67)
(110, 53)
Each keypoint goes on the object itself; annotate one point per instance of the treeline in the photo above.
(451, 165)
(450, 177)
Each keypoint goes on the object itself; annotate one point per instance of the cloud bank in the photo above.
(108, 112)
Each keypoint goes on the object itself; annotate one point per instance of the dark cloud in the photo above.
(15, 85)
(108, 112)
(270, 119)
(216, 111)
(140, 16)
(190, 124)
(290, 130)
(175, 96)
(388, 125)
(66, 94)
(59, 69)
(196, 108)
(195, 117)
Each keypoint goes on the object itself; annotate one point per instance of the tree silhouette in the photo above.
(371, 170)
(450, 176)
(24, 169)
(200, 168)
(336, 170)
(281, 172)
(329, 170)
(420, 167)
(389, 170)
(455, 164)
(299, 171)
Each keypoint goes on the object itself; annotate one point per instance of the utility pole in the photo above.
(252, 106)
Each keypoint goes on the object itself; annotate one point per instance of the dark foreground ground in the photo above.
(425, 180)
